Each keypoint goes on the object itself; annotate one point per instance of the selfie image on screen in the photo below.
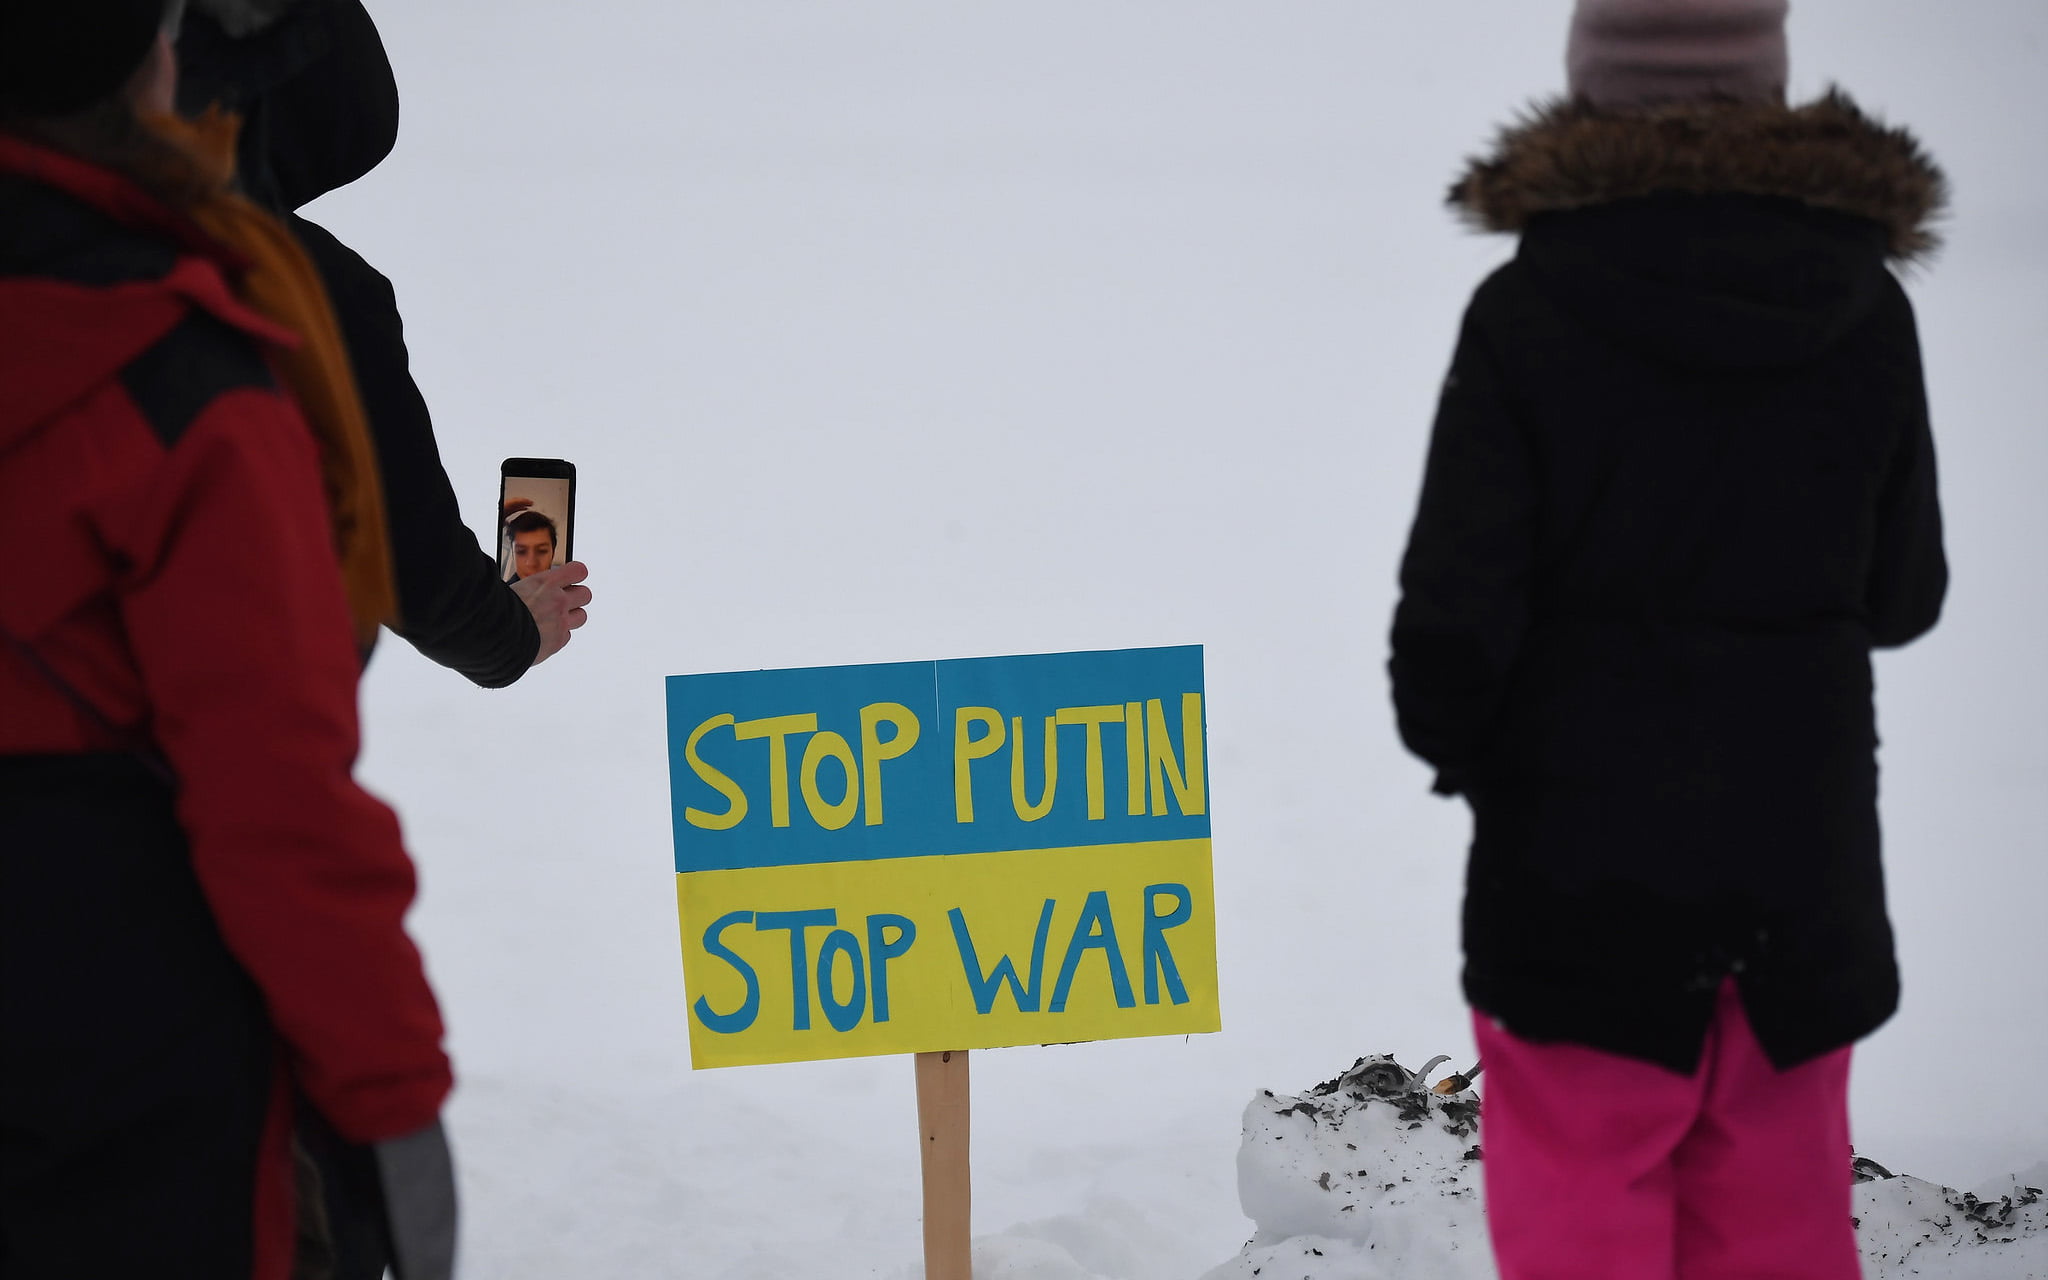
(534, 535)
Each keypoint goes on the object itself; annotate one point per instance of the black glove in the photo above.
(418, 1177)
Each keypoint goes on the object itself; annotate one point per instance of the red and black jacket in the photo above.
(176, 586)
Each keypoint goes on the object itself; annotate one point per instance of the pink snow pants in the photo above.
(1601, 1167)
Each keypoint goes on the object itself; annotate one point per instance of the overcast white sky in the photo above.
(901, 330)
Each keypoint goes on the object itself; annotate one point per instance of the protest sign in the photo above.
(914, 857)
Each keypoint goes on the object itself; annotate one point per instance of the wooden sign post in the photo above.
(943, 1131)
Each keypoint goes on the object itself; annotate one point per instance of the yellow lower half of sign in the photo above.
(966, 951)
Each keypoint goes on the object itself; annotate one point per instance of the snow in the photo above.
(1998, 1231)
(906, 330)
(1371, 1174)
(1366, 1177)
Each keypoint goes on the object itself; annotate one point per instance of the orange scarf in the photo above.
(283, 285)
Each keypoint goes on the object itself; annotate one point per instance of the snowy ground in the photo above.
(1998, 1231)
(913, 329)
(1372, 1177)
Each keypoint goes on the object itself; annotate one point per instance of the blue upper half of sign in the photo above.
(975, 755)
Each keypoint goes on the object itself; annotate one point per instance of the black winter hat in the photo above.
(58, 56)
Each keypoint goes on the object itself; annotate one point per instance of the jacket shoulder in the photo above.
(198, 361)
(1508, 288)
(1505, 304)
(1894, 304)
(52, 235)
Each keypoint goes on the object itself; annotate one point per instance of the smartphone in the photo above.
(536, 516)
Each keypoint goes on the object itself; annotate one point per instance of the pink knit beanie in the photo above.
(1633, 53)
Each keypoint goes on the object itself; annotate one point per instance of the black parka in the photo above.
(320, 109)
(1681, 483)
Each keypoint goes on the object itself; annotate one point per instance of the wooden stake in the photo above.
(948, 1204)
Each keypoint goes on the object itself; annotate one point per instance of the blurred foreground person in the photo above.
(200, 912)
(1681, 484)
(319, 106)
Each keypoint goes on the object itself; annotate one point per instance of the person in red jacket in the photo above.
(201, 913)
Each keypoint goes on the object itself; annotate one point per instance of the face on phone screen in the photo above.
(534, 530)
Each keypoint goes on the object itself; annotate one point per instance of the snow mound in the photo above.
(1912, 1227)
(1376, 1176)
(1370, 1175)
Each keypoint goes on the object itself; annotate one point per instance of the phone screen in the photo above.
(536, 516)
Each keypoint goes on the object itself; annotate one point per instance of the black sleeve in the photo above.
(1908, 569)
(452, 605)
(1465, 578)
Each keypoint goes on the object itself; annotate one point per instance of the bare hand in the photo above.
(557, 600)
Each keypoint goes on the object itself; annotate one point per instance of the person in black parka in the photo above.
(318, 104)
(319, 108)
(1681, 483)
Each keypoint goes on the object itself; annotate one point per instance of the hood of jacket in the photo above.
(93, 272)
(1720, 235)
(311, 81)
(240, 18)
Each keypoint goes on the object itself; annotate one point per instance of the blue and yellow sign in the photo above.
(943, 855)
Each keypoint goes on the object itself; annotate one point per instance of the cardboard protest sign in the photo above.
(913, 857)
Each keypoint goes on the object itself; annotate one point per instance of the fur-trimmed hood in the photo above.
(1827, 155)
